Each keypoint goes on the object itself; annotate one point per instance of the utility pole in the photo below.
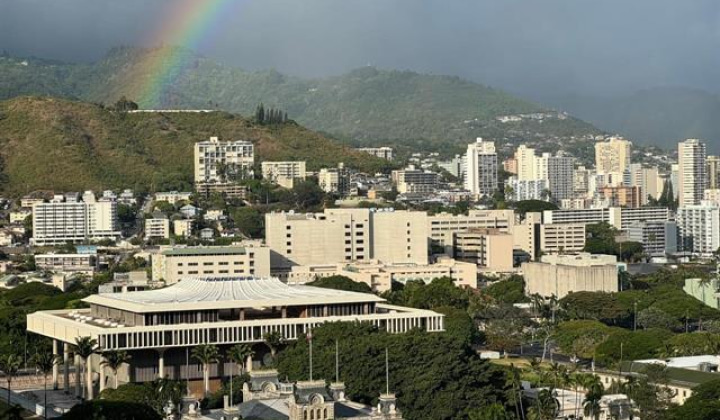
(635, 316)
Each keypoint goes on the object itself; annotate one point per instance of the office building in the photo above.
(562, 239)
(521, 190)
(67, 263)
(174, 264)
(482, 168)
(413, 180)
(713, 172)
(158, 328)
(59, 222)
(489, 249)
(380, 276)
(223, 161)
(619, 217)
(699, 228)
(334, 180)
(613, 157)
(443, 226)
(381, 152)
(691, 172)
(157, 226)
(284, 173)
(560, 275)
(658, 238)
(344, 235)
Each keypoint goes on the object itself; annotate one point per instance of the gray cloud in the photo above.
(533, 47)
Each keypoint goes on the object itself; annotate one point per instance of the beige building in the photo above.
(560, 275)
(561, 239)
(223, 161)
(68, 263)
(174, 264)
(613, 157)
(380, 276)
(334, 180)
(381, 152)
(489, 249)
(345, 235)
(183, 227)
(173, 197)
(526, 234)
(691, 172)
(19, 215)
(284, 173)
(443, 226)
(157, 227)
(413, 180)
(713, 172)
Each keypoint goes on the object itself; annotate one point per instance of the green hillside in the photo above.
(365, 106)
(55, 144)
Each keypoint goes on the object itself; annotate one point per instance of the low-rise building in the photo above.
(157, 227)
(19, 215)
(173, 264)
(214, 215)
(443, 226)
(189, 211)
(183, 227)
(560, 275)
(334, 180)
(562, 239)
(413, 180)
(658, 238)
(622, 196)
(173, 197)
(284, 173)
(699, 228)
(68, 263)
(380, 276)
(526, 189)
(381, 152)
(489, 249)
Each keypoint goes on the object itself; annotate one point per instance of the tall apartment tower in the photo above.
(691, 172)
(223, 161)
(613, 158)
(561, 176)
(713, 172)
(482, 168)
(525, 157)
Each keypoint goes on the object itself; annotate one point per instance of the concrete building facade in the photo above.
(174, 264)
(481, 178)
(691, 172)
(284, 173)
(489, 249)
(699, 228)
(223, 161)
(560, 275)
(59, 222)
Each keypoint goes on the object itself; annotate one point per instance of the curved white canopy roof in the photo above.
(226, 292)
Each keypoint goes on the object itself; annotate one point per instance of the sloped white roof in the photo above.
(226, 292)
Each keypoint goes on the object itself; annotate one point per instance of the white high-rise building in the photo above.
(482, 168)
(223, 161)
(527, 189)
(699, 227)
(525, 157)
(613, 157)
(60, 221)
(691, 172)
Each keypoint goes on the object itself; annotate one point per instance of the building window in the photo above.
(192, 272)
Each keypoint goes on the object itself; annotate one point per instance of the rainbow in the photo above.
(189, 24)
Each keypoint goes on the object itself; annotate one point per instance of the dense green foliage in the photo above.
(511, 290)
(341, 283)
(602, 240)
(111, 410)
(62, 145)
(529, 206)
(704, 404)
(374, 106)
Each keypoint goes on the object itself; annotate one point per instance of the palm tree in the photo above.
(86, 347)
(274, 341)
(237, 354)
(114, 359)
(10, 365)
(44, 363)
(206, 354)
(546, 406)
(514, 380)
(591, 405)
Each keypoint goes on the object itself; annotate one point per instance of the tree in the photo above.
(545, 406)
(491, 412)
(534, 206)
(44, 363)
(206, 354)
(114, 360)
(339, 282)
(124, 105)
(653, 317)
(591, 404)
(85, 347)
(238, 354)
(510, 291)
(10, 365)
(111, 410)
(249, 220)
(274, 340)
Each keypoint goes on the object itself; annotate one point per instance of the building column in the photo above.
(283, 310)
(249, 364)
(78, 374)
(161, 363)
(102, 378)
(55, 366)
(66, 368)
(89, 377)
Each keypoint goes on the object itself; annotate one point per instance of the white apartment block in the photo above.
(482, 168)
(173, 197)
(613, 156)
(174, 264)
(284, 173)
(691, 172)
(658, 238)
(413, 180)
(699, 227)
(59, 222)
(443, 226)
(619, 217)
(157, 227)
(68, 263)
(381, 152)
(562, 239)
(223, 161)
(530, 189)
(345, 235)
(334, 180)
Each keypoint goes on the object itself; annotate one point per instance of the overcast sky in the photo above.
(532, 47)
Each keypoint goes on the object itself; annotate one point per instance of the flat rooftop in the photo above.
(215, 250)
(202, 293)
